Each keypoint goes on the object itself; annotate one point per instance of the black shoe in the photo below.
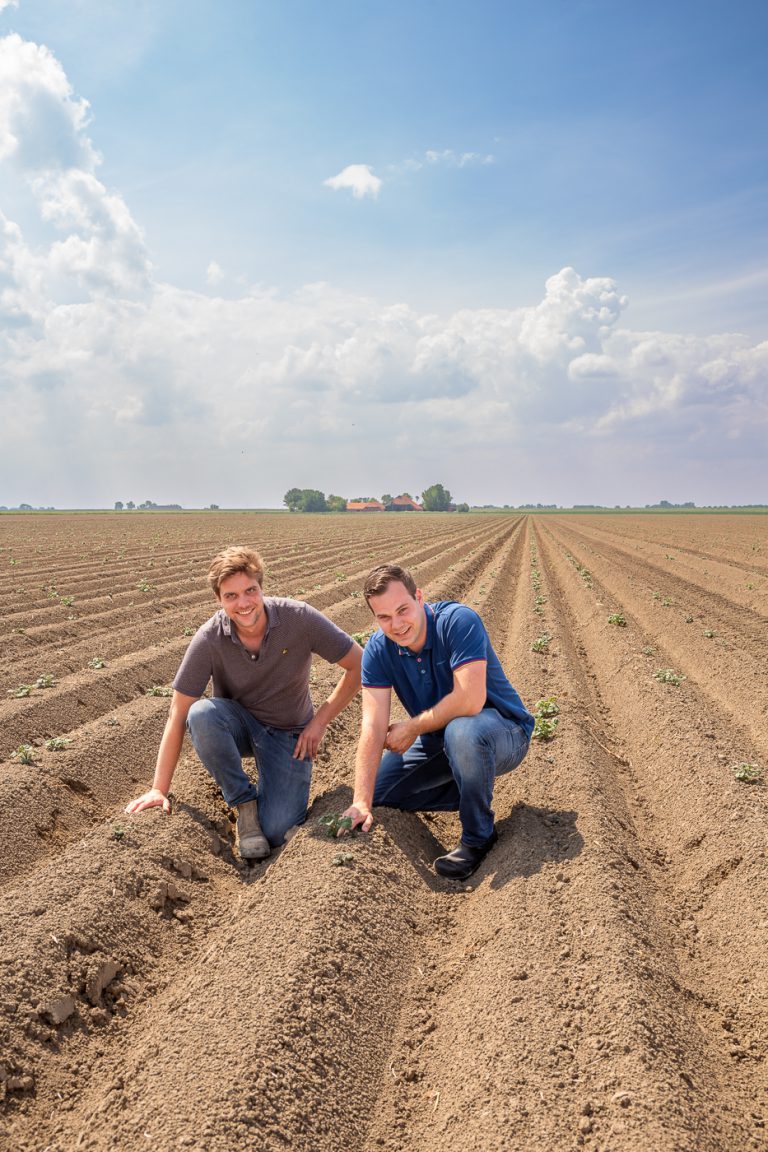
(464, 860)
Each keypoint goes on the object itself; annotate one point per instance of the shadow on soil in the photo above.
(529, 838)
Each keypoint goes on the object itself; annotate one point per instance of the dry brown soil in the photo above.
(599, 983)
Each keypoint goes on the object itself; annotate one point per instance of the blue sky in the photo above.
(517, 248)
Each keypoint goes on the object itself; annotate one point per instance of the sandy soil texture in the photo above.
(599, 983)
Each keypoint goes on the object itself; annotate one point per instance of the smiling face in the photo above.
(241, 598)
(401, 616)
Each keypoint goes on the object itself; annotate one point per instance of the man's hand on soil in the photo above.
(361, 816)
(152, 799)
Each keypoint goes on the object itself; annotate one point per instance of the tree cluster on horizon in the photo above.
(436, 498)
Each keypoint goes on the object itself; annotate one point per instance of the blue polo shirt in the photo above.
(455, 635)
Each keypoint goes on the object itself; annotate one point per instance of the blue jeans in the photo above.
(223, 732)
(454, 770)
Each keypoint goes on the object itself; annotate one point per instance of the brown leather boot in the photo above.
(251, 842)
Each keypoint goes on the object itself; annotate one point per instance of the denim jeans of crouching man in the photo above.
(223, 733)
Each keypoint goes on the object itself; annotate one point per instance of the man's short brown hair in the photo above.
(377, 581)
(236, 558)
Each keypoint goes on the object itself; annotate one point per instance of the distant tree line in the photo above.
(149, 506)
(27, 508)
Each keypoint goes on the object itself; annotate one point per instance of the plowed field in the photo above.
(599, 983)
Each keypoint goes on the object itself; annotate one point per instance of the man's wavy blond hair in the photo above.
(236, 558)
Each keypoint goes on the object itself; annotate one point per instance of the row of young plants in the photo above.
(743, 772)
(619, 620)
(541, 643)
(28, 753)
(546, 709)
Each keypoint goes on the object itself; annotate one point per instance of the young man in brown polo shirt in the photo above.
(258, 652)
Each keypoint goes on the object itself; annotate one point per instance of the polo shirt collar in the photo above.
(273, 620)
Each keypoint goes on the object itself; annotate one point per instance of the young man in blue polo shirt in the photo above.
(466, 723)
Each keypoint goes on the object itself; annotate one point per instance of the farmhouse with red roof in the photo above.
(403, 504)
(364, 506)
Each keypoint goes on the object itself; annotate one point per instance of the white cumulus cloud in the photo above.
(42, 123)
(214, 273)
(45, 147)
(359, 178)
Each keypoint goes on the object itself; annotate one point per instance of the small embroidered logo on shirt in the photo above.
(285, 651)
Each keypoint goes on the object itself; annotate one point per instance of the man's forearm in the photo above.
(345, 690)
(367, 763)
(455, 704)
(168, 756)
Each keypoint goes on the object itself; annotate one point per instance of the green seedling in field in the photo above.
(689, 619)
(751, 587)
(97, 662)
(547, 706)
(667, 602)
(189, 630)
(362, 638)
(657, 595)
(118, 831)
(333, 823)
(145, 586)
(25, 754)
(19, 631)
(22, 690)
(57, 743)
(618, 618)
(542, 643)
(669, 676)
(708, 633)
(544, 729)
(158, 690)
(45, 681)
(342, 858)
(747, 773)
